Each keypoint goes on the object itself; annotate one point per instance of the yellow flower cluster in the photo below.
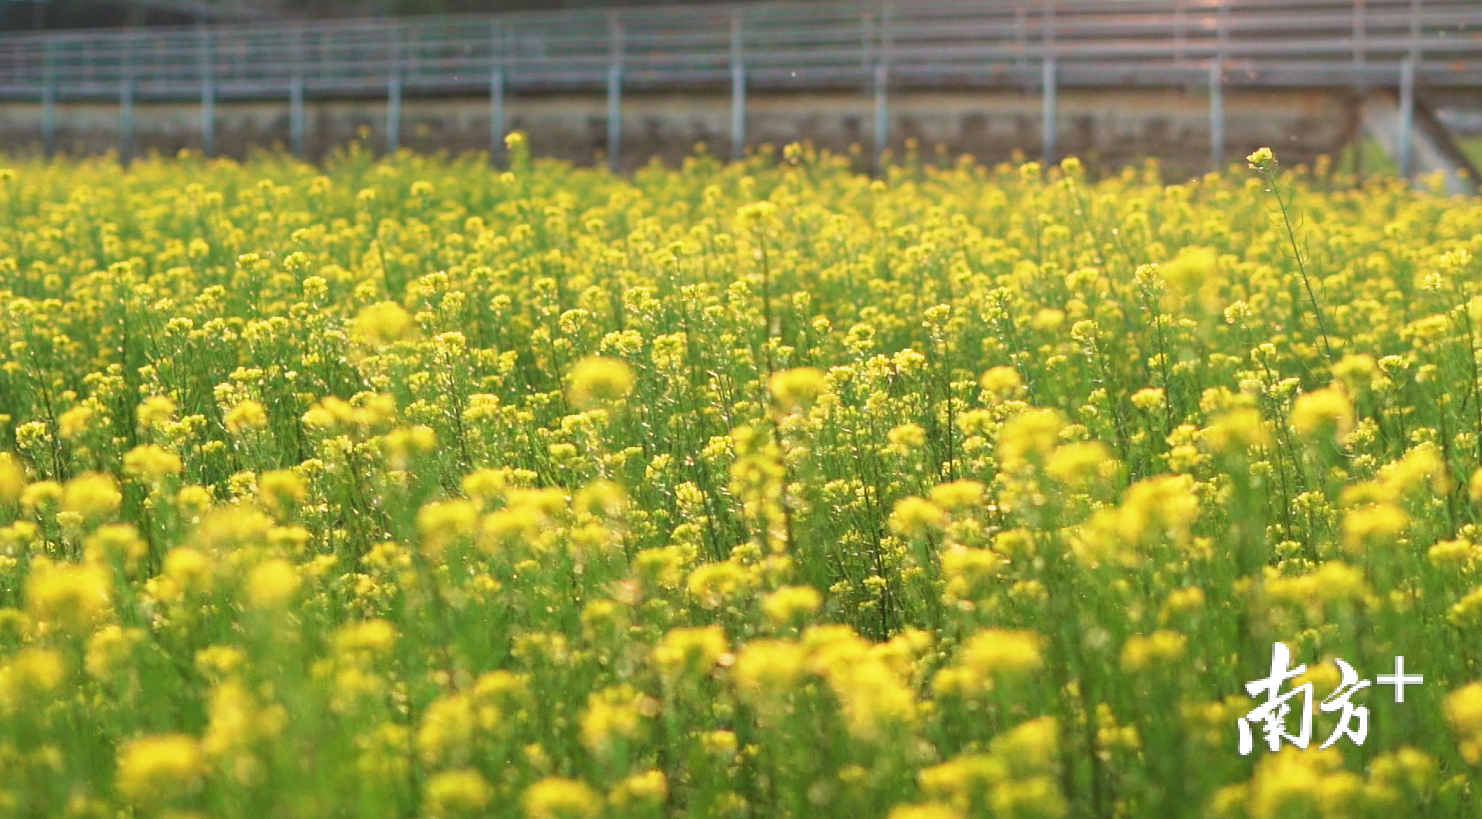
(404, 487)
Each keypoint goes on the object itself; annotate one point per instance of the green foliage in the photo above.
(411, 488)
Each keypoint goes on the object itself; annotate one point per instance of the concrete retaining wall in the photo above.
(1107, 129)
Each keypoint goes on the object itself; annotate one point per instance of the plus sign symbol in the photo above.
(1399, 679)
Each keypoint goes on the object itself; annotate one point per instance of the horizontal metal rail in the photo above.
(1322, 43)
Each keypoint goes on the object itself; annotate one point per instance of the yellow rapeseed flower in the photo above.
(92, 495)
(1190, 268)
(770, 666)
(1148, 398)
(916, 517)
(690, 650)
(154, 411)
(110, 648)
(245, 416)
(281, 489)
(796, 389)
(41, 495)
(1160, 649)
(151, 463)
(30, 678)
(1376, 523)
(713, 583)
(958, 494)
(12, 479)
(596, 379)
(1003, 382)
(440, 523)
(1028, 438)
(1081, 463)
(157, 768)
(1236, 430)
(967, 571)
(383, 323)
(1262, 159)
(74, 421)
(456, 793)
(76, 595)
(368, 637)
(1327, 410)
(1356, 371)
(1464, 715)
(993, 653)
(559, 798)
(791, 603)
(189, 568)
(647, 789)
(613, 715)
(1031, 747)
(272, 583)
(925, 810)
(113, 543)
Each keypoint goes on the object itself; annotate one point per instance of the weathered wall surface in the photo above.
(1107, 129)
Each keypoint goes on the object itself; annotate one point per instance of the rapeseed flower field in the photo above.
(407, 487)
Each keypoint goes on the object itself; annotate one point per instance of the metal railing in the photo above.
(1032, 44)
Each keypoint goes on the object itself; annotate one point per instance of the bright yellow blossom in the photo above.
(558, 798)
(159, 767)
(595, 379)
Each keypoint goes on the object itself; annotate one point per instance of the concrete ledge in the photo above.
(1108, 130)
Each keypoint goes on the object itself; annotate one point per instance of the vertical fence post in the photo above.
(1048, 112)
(1217, 114)
(296, 96)
(208, 92)
(738, 89)
(1360, 83)
(1406, 139)
(614, 93)
(296, 115)
(882, 88)
(882, 114)
(1407, 118)
(126, 102)
(496, 111)
(1048, 82)
(496, 91)
(49, 104)
(393, 95)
